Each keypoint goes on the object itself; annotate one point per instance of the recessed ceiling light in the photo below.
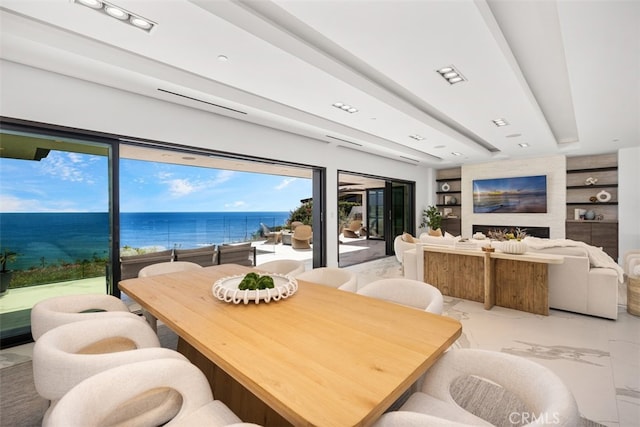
(116, 12)
(500, 122)
(513, 135)
(439, 146)
(417, 137)
(141, 23)
(345, 107)
(455, 153)
(95, 4)
(523, 145)
(223, 58)
(451, 75)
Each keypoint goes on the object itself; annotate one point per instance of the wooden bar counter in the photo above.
(322, 357)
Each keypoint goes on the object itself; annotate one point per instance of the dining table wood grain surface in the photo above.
(322, 357)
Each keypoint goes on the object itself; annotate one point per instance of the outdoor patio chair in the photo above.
(237, 253)
(273, 237)
(301, 237)
(353, 229)
(204, 256)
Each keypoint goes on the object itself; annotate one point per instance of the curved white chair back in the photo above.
(70, 353)
(167, 267)
(57, 311)
(330, 276)
(104, 399)
(539, 389)
(407, 292)
(164, 268)
(289, 267)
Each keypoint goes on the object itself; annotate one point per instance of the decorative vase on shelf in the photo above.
(590, 215)
(513, 247)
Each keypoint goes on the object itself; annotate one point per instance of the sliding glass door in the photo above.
(385, 207)
(56, 222)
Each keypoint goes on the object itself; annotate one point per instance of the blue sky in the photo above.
(71, 182)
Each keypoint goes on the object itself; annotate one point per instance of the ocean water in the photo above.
(53, 238)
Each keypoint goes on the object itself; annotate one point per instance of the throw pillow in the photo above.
(406, 237)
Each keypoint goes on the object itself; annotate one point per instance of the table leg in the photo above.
(489, 284)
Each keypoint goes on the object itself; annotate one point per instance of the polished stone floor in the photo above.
(598, 359)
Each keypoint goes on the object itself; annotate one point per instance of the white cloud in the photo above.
(236, 204)
(223, 176)
(182, 187)
(62, 167)
(285, 182)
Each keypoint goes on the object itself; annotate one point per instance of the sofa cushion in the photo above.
(433, 240)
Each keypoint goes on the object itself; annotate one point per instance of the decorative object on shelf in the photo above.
(488, 248)
(590, 181)
(445, 187)
(579, 213)
(599, 217)
(593, 199)
(450, 200)
(446, 212)
(479, 236)
(603, 196)
(590, 215)
(503, 235)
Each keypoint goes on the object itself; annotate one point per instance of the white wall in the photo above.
(628, 200)
(33, 94)
(553, 167)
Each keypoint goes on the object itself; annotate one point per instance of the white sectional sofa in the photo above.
(574, 285)
(577, 286)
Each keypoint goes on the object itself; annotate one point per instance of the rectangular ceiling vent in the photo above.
(200, 100)
(344, 140)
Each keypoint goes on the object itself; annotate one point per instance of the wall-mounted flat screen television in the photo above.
(525, 194)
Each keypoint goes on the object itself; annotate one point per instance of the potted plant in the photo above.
(6, 257)
(432, 218)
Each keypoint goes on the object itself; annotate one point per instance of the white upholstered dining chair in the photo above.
(109, 398)
(60, 310)
(71, 353)
(412, 293)
(289, 267)
(542, 397)
(164, 268)
(330, 276)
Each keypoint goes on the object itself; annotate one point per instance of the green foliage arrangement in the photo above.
(431, 217)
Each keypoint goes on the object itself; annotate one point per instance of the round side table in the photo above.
(633, 295)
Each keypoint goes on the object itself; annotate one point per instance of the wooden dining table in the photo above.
(321, 357)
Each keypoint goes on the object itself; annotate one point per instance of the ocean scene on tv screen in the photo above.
(527, 194)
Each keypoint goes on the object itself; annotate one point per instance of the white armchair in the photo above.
(407, 292)
(330, 276)
(547, 400)
(57, 311)
(290, 267)
(65, 356)
(109, 398)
